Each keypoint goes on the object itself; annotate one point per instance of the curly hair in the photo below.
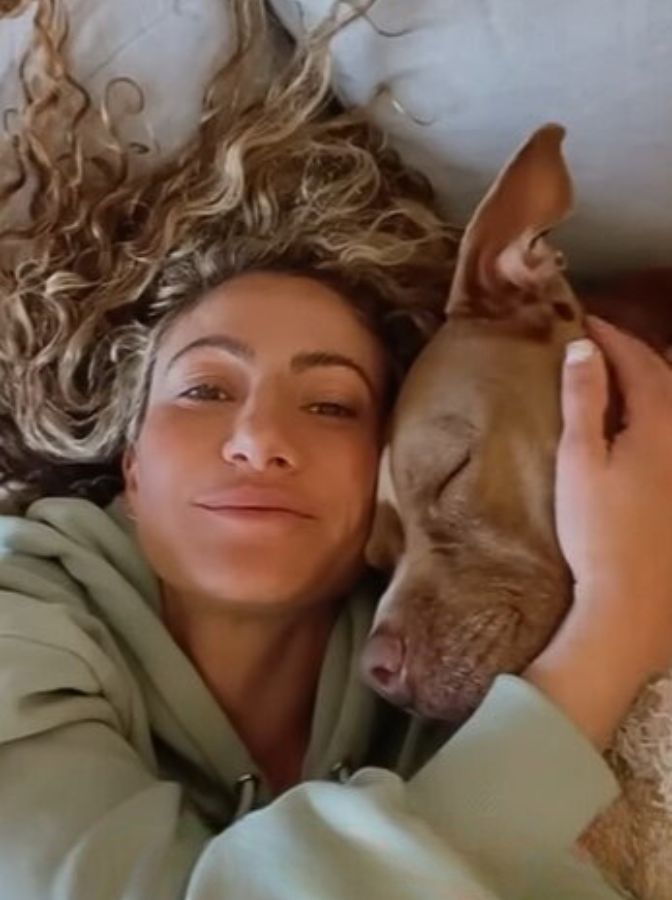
(104, 258)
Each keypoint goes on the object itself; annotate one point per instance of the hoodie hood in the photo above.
(191, 736)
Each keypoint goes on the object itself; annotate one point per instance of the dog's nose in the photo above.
(383, 666)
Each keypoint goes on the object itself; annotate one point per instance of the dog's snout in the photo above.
(383, 666)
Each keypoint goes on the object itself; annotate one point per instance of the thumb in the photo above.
(584, 397)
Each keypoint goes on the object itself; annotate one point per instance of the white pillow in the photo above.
(487, 74)
(170, 47)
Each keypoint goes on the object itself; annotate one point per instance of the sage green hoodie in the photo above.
(121, 778)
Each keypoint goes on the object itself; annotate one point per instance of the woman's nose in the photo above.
(257, 442)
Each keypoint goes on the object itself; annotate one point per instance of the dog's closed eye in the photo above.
(455, 470)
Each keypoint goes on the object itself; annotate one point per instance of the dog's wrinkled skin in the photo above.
(465, 504)
(465, 515)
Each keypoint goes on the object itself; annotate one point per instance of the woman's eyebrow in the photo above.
(309, 360)
(300, 361)
(222, 341)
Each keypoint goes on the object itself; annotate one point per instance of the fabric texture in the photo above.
(475, 77)
(170, 48)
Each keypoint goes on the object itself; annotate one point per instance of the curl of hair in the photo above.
(104, 259)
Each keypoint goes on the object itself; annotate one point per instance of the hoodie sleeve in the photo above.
(83, 814)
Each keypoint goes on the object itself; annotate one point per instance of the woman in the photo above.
(180, 713)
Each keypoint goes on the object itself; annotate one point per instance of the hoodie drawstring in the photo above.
(246, 793)
(341, 772)
(248, 785)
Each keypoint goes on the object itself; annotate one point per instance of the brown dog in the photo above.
(465, 514)
(465, 503)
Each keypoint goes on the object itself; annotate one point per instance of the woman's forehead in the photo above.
(274, 314)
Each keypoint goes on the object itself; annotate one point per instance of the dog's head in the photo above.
(465, 507)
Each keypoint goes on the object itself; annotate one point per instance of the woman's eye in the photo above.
(337, 410)
(205, 392)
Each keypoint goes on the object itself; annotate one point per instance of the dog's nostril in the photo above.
(385, 654)
(383, 676)
(383, 664)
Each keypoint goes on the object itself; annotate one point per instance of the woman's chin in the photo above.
(265, 588)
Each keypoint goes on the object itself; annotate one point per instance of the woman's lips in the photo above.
(263, 518)
(252, 502)
(252, 512)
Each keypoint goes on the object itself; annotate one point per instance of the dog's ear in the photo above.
(502, 253)
(386, 540)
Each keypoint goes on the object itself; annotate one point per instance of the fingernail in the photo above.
(579, 351)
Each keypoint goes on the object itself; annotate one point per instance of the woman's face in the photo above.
(253, 476)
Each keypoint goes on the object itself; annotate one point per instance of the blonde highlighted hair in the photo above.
(105, 258)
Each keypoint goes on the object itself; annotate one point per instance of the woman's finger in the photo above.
(643, 377)
(584, 399)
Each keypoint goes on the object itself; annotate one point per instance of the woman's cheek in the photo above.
(355, 468)
(184, 431)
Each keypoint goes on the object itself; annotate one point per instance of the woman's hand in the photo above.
(614, 523)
